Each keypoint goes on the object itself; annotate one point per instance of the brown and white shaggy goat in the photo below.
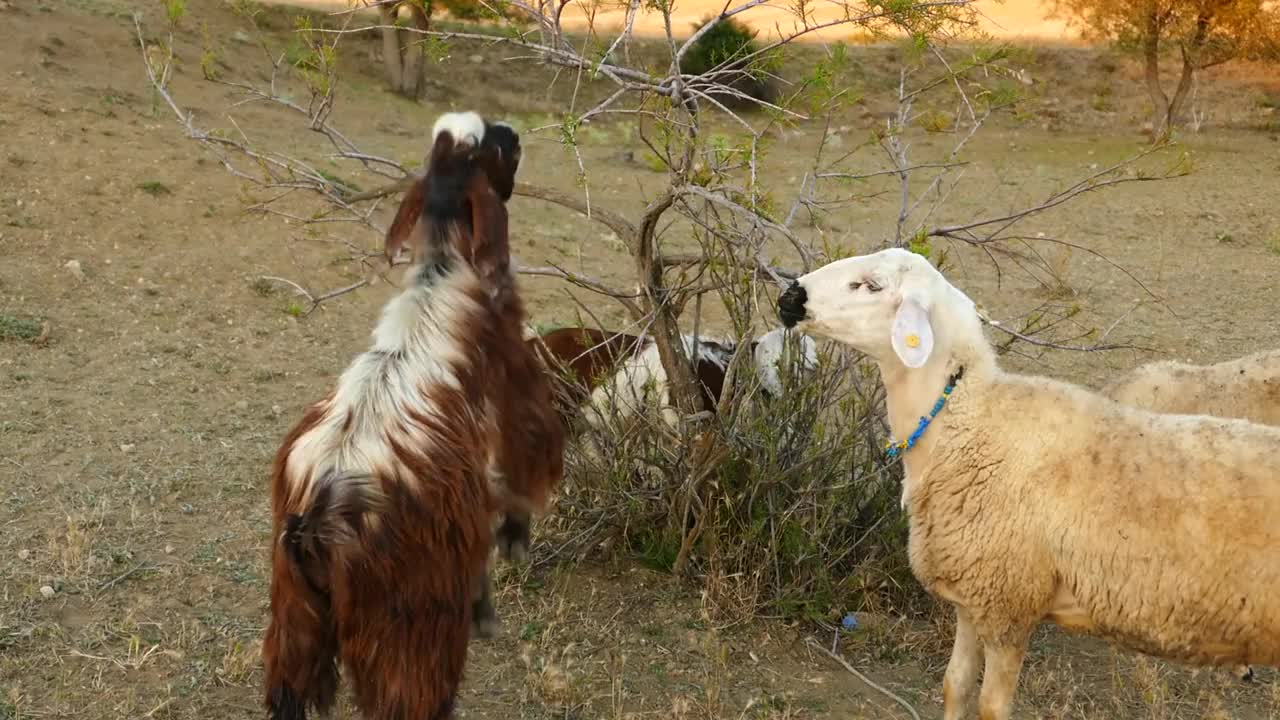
(528, 460)
(381, 500)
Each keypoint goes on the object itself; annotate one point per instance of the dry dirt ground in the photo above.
(136, 435)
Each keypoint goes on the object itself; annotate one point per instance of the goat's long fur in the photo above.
(381, 505)
(1032, 499)
(528, 454)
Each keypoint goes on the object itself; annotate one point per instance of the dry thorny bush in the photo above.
(784, 507)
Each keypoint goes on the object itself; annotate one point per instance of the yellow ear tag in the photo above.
(913, 341)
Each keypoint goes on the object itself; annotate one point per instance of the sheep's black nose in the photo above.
(791, 304)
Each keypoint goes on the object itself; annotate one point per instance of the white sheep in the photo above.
(1031, 499)
(1247, 388)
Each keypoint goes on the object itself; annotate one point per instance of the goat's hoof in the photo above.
(485, 628)
(514, 550)
(513, 541)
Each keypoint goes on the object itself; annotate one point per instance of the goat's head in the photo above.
(470, 160)
(500, 157)
(768, 350)
(887, 304)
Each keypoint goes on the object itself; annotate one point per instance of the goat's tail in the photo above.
(300, 650)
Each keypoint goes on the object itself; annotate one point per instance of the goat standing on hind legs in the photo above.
(381, 496)
(528, 449)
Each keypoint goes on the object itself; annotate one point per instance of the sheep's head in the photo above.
(884, 304)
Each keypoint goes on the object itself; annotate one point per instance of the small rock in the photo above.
(73, 266)
(241, 36)
(128, 448)
(242, 405)
(24, 554)
(47, 592)
(477, 59)
(168, 549)
(276, 410)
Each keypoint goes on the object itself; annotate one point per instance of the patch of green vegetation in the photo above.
(727, 42)
(935, 121)
(242, 573)
(531, 631)
(344, 186)
(266, 376)
(154, 188)
(13, 327)
(263, 287)
(653, 162)
(175, 10)
(657, 548)
(543, 327)
(1269, 101)
(295, 309)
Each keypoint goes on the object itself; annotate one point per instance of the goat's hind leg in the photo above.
(484, 616)
(300, 647)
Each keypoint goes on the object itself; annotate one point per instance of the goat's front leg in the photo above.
(962, 671)
(513, 536)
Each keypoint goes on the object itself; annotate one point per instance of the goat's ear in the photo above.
(406, 218)
(490, 250)
(912, 335)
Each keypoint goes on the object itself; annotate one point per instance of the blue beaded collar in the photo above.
(894, 449)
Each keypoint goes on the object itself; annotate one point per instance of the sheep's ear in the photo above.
(912, 334)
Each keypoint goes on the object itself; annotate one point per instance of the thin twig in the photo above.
(868, 681)
(124, 576)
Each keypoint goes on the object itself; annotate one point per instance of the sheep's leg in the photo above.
(1244, 673)
(962, 672)
(1000, 678)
